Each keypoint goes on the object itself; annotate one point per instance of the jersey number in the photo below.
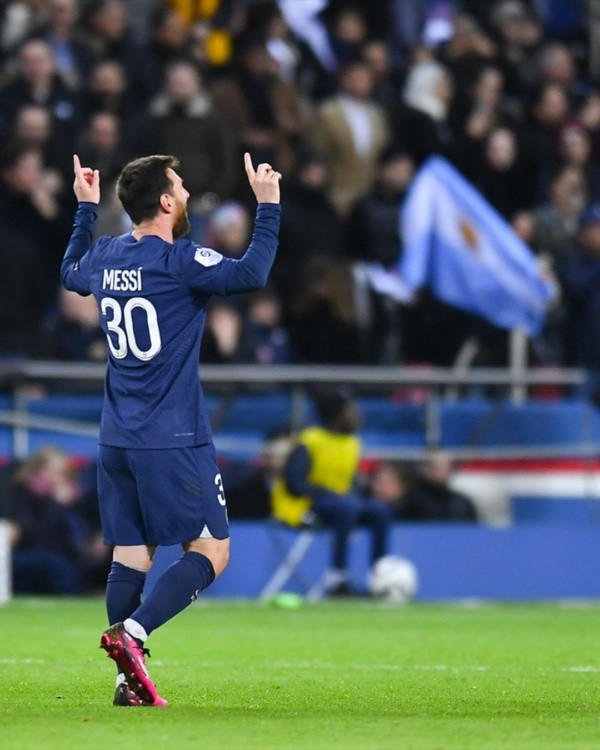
(121, 324)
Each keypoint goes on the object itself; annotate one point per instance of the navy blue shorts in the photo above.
(160, 496)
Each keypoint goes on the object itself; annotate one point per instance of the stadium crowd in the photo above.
(347, 105)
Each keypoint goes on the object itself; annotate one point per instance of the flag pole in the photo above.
(518, 364)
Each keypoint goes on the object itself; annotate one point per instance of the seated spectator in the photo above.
(389, 484)
(318, 485)
(55, 551)
(431, 498)
(249, 492)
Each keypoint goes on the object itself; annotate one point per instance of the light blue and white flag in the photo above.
(459, 246)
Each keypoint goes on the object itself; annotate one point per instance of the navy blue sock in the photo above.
(178, 586)
(123, 592)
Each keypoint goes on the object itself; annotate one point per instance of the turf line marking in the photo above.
(22, 661)
(581, 669)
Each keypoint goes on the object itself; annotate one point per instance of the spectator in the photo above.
(109, 35)
(19, 19)
(73, 56)
(374, 237)
(266, 109)
(21, 299)
(268, 339)
(500, 177)
(32, 127)
(575, 150)
(351, 130)
(225, 340)
(184, 120)
(555, 222)
(548, 111)
(373, 228)
(101, 145)
(581, 285)
(422, 126)
(168, 35)
(54, 551)
(377, 55)
(228, 229)
(318, 483)
(389, 484)
(323, 318)
(76, 332)
(249, 493)
(519, 34)
(38, 82)
(30, 207)
(106, 90)
(310, 226)
(431, 498)
(468, 52)
(348, 31)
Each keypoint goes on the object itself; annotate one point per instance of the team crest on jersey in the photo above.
(207, 257)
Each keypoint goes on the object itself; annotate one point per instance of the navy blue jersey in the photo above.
(152, 298)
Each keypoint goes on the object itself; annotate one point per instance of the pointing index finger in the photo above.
(248, 165)
(76, 164)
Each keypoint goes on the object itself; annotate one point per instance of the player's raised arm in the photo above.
(86, 185)
(73, 272)
(264, 181)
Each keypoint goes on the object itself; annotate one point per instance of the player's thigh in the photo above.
(120, 512)
(181, 494)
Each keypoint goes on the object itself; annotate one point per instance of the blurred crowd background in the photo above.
(346, 99)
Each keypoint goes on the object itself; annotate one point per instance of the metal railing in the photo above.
(438, 384)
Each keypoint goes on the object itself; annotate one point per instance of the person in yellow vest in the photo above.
(318, 484)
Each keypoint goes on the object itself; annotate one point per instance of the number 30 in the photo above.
(126, 339)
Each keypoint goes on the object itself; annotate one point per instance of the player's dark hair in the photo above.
(142, 182)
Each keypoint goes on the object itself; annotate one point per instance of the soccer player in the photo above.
(158, 481)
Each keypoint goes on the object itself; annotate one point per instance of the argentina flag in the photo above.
(460, 247)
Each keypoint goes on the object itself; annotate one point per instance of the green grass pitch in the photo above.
(351, 675)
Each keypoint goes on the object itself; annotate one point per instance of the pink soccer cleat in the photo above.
(129, 655)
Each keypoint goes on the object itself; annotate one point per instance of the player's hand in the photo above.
(87, 182)
(264, 181)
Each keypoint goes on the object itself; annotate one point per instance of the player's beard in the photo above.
(182, 222)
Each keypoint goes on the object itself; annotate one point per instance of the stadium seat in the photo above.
(496, 423)
(553, 510)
